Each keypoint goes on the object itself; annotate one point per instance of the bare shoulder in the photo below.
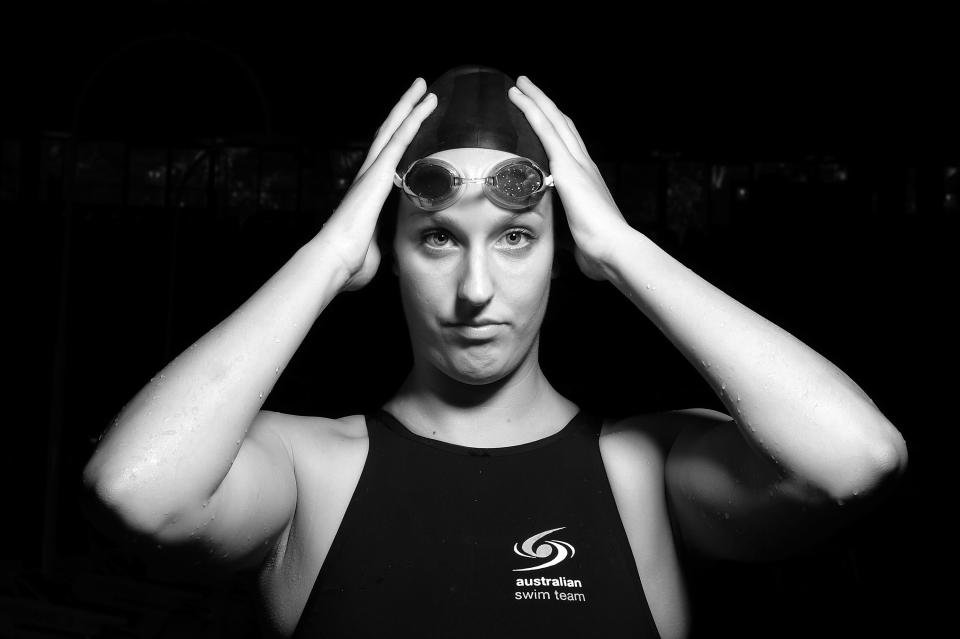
(326, 455)
(649, 437)
(307, 429)
(661, 428)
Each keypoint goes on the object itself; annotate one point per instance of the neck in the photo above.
(521, 407)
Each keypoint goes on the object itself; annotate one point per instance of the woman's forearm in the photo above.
(173, 443)
(806, 414)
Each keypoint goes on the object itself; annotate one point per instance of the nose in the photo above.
(476, 285)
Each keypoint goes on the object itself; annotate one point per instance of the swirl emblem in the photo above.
(555, 550)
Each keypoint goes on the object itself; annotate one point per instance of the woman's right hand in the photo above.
(352, 228)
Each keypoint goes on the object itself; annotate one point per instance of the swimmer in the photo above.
(478, 500)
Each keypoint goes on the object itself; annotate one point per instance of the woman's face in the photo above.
(474, 263)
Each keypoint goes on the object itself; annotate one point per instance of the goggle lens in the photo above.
(429, 181)
(518, 180)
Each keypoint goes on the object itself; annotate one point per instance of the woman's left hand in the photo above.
(595, 221)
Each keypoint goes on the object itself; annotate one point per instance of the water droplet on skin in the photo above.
(276, 340)
(738, 398)
(204, 504)
(277, 370)
(261, 395)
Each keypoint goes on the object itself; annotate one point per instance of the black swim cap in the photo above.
(473, 111)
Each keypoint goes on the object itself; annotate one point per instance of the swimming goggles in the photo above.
(433, 184)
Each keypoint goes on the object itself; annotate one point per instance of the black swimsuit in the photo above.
(441, 540)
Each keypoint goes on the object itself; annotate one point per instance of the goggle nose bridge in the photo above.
(480, 180)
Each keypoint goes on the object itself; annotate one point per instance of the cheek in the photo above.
(530, 292)
(415, 290)
(422, 291)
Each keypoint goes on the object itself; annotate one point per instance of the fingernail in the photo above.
(525, 78)
(415, 82)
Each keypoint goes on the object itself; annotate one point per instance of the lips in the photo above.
(475, 322)
(477, 330)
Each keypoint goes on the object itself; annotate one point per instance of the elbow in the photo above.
(892, 454)
(117, 507)
(875, 468)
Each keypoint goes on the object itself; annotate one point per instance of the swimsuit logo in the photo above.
(549, 547)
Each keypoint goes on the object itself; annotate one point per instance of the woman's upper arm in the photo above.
(255, 502)
(731, 502)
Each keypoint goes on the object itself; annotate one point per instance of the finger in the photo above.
(398, 142)
(372, 186)
(556, 148)
(557, 119)
(394, 119)
(591, 165)
(573, 128)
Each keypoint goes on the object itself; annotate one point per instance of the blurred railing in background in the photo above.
(232, 179)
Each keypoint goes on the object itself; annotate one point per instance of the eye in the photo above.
(518, 238)
(436, 238)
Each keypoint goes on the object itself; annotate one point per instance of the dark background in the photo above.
(162, 159)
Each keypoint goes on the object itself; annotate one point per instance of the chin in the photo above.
(477, 378)
(477, 371)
